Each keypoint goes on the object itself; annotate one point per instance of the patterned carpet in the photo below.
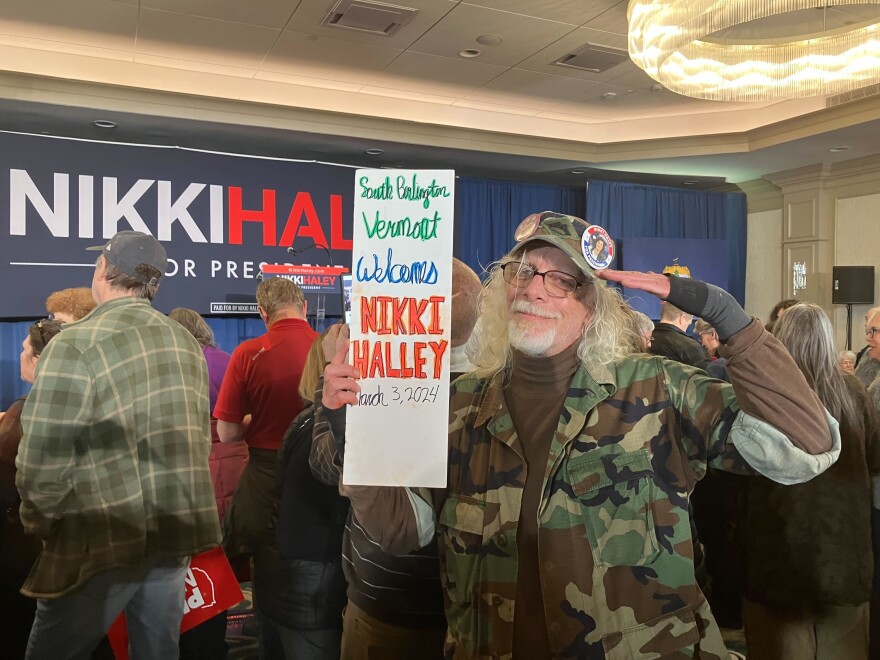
(241, 628)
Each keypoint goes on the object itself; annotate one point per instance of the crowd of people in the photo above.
(616, 488)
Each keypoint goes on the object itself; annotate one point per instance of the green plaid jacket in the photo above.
(113, 464)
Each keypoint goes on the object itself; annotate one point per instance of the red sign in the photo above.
(315, 279)
(210, 587)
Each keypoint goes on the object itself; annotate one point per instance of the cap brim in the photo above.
(559, 243)
(96, 247)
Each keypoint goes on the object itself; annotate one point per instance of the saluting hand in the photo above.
(633, 279)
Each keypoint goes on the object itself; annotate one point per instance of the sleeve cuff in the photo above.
(772, 454)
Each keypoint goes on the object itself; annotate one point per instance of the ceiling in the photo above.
(266, 77)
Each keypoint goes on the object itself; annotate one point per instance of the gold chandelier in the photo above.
(670, 40)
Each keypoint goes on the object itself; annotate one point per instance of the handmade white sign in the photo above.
(401, 293)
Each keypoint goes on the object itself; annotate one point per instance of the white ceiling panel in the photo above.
(306, 55)
(565, 11)
(448, 76)
(611, 20)
(265, 13)
(623, 104)
(179, 36)
(309, 14)
(88, 22)
(459, 29)
(542, 61)
(629, 75)
(528, 89)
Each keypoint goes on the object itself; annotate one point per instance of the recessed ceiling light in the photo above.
(609, 95)
(374, 152)
(834, 150)
(691, 182)
(104, 123)
(470, 53)
(578, 171)
(489, 39)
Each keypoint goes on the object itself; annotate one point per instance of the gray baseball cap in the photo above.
(130, 249)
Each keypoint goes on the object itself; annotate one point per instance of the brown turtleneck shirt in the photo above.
(534, 398)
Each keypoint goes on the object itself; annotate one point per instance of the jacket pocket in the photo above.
(464, 525)
(655, 639)
(616, 494)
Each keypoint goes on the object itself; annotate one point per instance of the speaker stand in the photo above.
(849, 326)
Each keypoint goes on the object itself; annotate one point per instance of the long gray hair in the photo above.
(806, 332)
(608, 336)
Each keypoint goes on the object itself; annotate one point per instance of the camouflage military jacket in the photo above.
(614, 543)
(614, 540)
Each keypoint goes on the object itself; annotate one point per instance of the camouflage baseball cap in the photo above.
(557, 229)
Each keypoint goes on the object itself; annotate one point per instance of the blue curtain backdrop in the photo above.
(12, 333)
(629, 210)
(487, 212)
(228, 333)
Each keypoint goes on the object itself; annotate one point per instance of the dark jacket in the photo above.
(809, 545)
(299, 579)
(311, 515)
(672, 343)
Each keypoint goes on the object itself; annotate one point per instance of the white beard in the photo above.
(530, 338)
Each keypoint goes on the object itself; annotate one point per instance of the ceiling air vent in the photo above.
(370, 17)
(593, 58)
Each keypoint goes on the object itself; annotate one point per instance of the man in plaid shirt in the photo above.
(113, 465)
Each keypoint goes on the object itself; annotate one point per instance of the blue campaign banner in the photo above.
(219, 216)
(706, 259)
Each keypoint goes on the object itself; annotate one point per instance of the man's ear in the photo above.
(262, 313)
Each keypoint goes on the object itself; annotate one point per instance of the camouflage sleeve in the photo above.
(705, 409)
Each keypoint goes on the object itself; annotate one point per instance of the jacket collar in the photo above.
(587, 389)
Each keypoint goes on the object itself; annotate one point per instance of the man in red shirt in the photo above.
(258, 399)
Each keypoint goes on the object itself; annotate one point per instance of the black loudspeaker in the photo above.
(852, 285)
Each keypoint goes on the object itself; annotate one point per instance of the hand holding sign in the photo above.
(340, 378)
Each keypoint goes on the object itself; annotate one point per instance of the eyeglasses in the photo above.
(557, 284)
(871, 332)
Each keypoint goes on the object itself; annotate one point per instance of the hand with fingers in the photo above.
(340, 378)
(632, 279)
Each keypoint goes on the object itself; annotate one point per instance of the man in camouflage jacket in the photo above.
(598, 562)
